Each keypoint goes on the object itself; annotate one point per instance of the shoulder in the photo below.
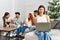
(46, 16)
(38, 17)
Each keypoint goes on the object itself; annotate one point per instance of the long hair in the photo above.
(41, 6)
(6, 13)
(31, 18)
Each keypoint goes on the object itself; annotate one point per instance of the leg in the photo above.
(24, 28)
(47, 36)
(18, 31)
(32, 29)
(40, 35)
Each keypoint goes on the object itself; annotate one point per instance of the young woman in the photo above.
(30, 22)
(6, 19)
(43, 18)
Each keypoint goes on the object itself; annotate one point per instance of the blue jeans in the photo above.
(43, 35)
(21, 29)
(32, 29)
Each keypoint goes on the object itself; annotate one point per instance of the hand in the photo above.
(20, 33)
(29, 27)
(7, 26)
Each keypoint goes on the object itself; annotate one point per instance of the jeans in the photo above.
(43, 35)
(21, 29)
(32, 28)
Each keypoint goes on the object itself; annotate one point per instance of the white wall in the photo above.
(26, 6)
(5, 5)
(22, 6)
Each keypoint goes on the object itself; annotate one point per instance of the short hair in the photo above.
(17, 13)
(36, 11)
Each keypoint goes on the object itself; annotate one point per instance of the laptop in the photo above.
(44, 27)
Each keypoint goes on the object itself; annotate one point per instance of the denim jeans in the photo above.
(21, 29)
(43, 35)
(32, 28)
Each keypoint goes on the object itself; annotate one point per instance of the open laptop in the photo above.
(44, 27)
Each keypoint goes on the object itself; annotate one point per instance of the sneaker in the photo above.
(4, 34)
(14, 35)
(11, 35)
(20, 33)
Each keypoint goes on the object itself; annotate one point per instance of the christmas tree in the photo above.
(54, 9)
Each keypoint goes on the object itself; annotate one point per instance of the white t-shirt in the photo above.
(7, 20)
(29, 23)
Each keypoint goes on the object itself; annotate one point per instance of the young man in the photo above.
(20, 24)
(35, 13)
(17, 18)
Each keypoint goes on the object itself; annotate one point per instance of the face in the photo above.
(41, 10)
(17, 15)
(8, 16)
(35, 14)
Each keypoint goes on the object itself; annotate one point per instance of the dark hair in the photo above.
(36, 11)
(6, 13)
(41, 6)
(17, 13)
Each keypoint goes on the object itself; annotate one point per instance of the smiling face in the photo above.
(17, 15)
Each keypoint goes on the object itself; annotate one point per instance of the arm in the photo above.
(26, 21)
(34, 20)
(48, 18)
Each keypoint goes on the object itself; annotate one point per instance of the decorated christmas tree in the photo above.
(54, 9)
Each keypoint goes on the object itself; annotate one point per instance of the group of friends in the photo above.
(28, 25)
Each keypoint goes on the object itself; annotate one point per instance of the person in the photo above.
(43, 18)
(17, 18)
(21, 27)
(6, 21)
(35, 13)
(30, 22)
